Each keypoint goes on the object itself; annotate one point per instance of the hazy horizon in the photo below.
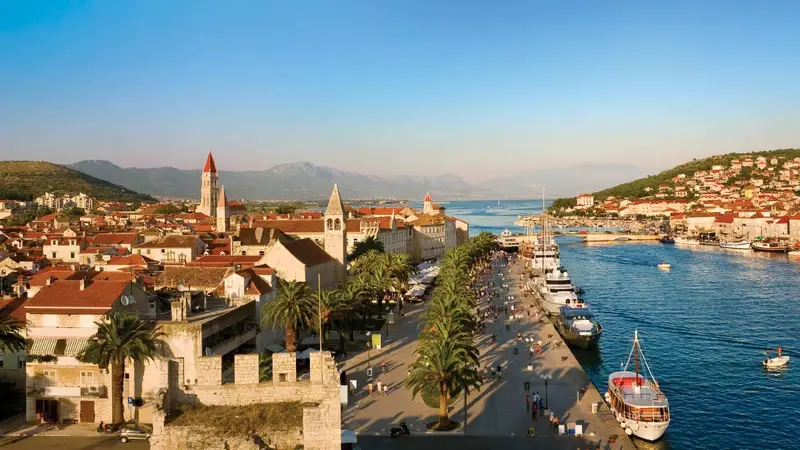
(476, 89)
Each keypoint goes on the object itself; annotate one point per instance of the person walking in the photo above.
(527, 402)
(385, 389)
(369, 388)
(383, 366)
(533, 411)
(379, 386)
(541, 403)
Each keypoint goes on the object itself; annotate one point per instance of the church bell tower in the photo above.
(336, 232)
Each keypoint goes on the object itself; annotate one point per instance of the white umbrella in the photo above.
(349, 437)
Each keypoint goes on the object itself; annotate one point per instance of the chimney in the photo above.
(49, 281)
(178, 307)
(82, 284)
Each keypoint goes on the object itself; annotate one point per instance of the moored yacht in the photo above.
(556, 290)
(771, 246)
(736, 245)
(508, 241)
(686, 240)
(639, 405)
(578, 326)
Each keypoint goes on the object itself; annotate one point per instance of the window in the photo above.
(21, 363)
(261, 253)
(50, 377)
(148, 251)
(72, 255)
(87, 379)
(54, 255)
(139, 251)
(337, 225)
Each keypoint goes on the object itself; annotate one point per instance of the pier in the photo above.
(618, 237)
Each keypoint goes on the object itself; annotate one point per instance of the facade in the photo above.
(336, 233)
(177, 249)
(209, 190)
(255, 241)
(585, 200)
(303, 260)
(434, 232)
(66, 249)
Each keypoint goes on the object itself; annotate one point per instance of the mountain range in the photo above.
(307, 181)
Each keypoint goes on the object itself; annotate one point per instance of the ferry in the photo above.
(508, 241)
(637, 402)
(578, 326)
(556, 290)
(737, 245)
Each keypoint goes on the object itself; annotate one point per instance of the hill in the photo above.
(26, 180)
(294, 181)
(637, 188)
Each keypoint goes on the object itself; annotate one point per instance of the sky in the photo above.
(475, 88)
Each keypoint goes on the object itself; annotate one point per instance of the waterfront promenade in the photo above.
(498, 411)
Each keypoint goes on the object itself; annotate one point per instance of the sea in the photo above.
(704, 326)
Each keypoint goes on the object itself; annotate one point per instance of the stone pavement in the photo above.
(498, 409)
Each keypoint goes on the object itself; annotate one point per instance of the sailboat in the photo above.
(639, 405)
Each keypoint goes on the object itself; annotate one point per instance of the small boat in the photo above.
(770, 246)
(779, 360)
(709, 238)
(663, 265)
(640, 407)
(685, 240)
(667, 240)
(578, 326)
(738, 245)
(794, 253)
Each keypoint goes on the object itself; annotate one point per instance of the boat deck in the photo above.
(645, 395)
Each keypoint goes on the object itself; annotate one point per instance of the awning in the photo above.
(75, 346)
(42, 347)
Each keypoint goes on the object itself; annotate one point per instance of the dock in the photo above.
(618, 237)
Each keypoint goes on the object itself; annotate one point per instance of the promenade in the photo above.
(498, 411)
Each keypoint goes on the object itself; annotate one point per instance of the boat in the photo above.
(778, 361)
(770, 246)
(667, 240)
(508, 241)
(685, 240)
(640, 407)
(578, 326)
(794, 253)
(708, 238)
(737, 245)
(556, 290)
(664, 265)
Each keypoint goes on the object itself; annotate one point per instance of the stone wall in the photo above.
(322, 414)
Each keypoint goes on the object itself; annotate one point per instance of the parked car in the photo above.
(132, 432)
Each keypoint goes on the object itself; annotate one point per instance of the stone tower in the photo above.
(223, 213)
(209, 191)
(336, 232)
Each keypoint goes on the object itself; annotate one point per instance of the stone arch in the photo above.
(337, 225)
(330, 224)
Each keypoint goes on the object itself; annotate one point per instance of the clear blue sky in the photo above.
(476, 88)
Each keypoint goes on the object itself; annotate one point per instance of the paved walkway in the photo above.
(498, 409)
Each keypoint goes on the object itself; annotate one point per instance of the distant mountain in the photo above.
(30, 179)
(295, 181)
(564, 181)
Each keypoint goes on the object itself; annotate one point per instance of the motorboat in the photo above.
(708, 238)
(779, 360)
(640, 407)
(556, 290)
(667, 240)
(663, 265)
(686, 241)
(737, 245)
(578, 326)
(794, 253)
(770, 246)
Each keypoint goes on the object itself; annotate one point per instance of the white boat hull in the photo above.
(649, 431)
(778, 361)
(795, 253)
(686, 242)
(736, 245)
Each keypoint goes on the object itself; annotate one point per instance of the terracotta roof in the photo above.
(428, 197)
(200, 277)
(173, 241)
(263, 270)
(307, 252)
(67, 294)
(132, 260)
(426, 220)
(192, 216)
(224, 261)
(725, 218)
(294, 226)
(13, 307)
(210, 166)
(380, 211)
(256, 285)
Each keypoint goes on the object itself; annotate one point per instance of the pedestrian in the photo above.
(369, 388)
(383, 366)
(533, 411)
(379, 386)
(527, 402)
(385, 389)
(541, 403)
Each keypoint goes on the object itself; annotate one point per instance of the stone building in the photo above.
(209, 189)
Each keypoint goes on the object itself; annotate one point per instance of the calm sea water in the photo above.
(703, 325)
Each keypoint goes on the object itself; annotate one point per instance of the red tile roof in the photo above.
(114, 239)
(13, 307)
(224, 261)
(210, 166)
(67, 294)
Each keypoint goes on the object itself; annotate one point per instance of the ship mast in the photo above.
(636, 354)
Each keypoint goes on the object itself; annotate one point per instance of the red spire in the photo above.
(428, 197)
(210, 166)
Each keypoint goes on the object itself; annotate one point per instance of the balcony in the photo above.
(62, 391)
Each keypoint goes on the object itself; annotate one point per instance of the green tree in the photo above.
(121, 337)
(11, 339)
(293, 308)
(367, 245)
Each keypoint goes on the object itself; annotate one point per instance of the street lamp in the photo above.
(389, 321)
(545, 377)
(369, 354)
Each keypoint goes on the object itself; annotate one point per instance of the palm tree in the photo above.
(369, 244)
(292, 308)
(444, 366)
(11, 339)
(121, 337)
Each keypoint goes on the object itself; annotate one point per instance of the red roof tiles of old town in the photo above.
(210, 166)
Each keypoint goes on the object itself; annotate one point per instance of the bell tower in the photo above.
(223, 213)
(336, 232)
(209, 190)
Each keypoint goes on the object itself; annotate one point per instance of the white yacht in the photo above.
(556, 290)
(688, 241)
(508, 241)
(545, 254)
(640, 407)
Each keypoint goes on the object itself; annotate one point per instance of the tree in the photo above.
(292, 309)
(11, 339)
(367, 245)
(121, 337)
(169, 209)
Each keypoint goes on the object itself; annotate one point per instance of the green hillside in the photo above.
(636, 189)
(25, 180)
